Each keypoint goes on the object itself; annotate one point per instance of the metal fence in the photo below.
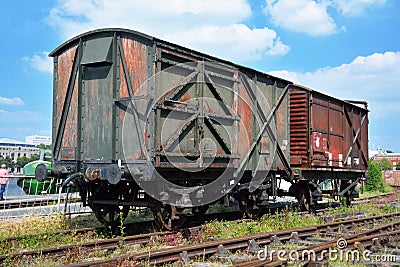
(24, 196)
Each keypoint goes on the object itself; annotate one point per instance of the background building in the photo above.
(394, 158)
(16, 149)
(37, 140)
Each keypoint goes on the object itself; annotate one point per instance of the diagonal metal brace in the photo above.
(246, 158)
(355, 140)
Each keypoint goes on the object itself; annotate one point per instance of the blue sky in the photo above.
(348, 49)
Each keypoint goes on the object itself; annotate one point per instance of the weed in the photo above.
(121, 226)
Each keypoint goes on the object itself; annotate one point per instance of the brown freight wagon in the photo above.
(138, 121)
(328, 138)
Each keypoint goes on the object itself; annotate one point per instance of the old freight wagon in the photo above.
(138, 121)
(329, 142)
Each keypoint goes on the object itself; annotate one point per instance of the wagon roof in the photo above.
(354, 103)
(71, 41)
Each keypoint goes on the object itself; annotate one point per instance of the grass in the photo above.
(32, 225)
(90, 220)
(367, 208)
(37, 232)
(387, 189)
(283, 220)
(279, 221)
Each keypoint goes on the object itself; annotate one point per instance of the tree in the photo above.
(398, 167)
(385, 164)
(21, 162)
(44, 147)
(34, 157)
(8, 161)
(374, 181)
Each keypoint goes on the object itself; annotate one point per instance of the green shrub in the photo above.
(374, 181)
(385, 164)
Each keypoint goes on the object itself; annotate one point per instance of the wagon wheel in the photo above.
(110, 215)
(166, 217)
(247, 205)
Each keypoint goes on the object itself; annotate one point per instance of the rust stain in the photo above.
(245, 113)
(136, 61)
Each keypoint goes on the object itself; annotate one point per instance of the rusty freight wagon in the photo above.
(141, 122)
(328, 143)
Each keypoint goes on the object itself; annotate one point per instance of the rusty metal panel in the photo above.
(391, 177)
(69, 140)
(356, 137)
(134, 70)
(299, 122)
(272, 90)
(327, 131)
(396, 176)
(282, 123)
(194, 119)
(63, 73)
(136, 56)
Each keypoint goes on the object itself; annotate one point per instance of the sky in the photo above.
(349, 49)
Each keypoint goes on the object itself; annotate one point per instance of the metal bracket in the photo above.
(348, 188)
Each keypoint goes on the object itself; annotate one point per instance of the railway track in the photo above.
(139, 228)
(114, 243)
(380, 199)
(138, 241)
(242, 243)
(218, 248)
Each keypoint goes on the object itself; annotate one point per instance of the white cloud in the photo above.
(373, 78)
(279, 48)
(40, 61)
(15, 101)
(236, 41)
(305, 16)
(356, 7)
(312, 16)
(214, 27)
